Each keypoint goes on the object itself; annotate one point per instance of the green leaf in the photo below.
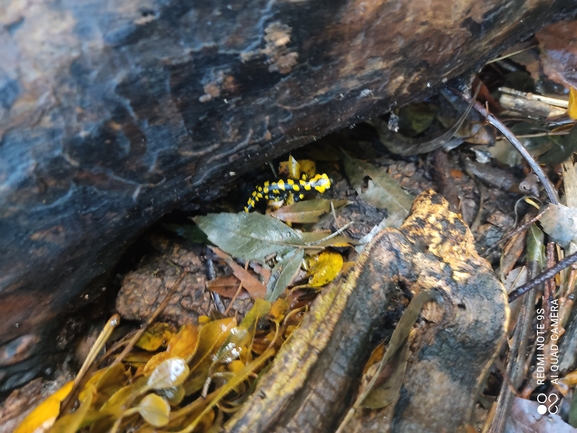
(573, 411)
(563, 148)
(155, 410)
(308, 211)
(379, 189)
(249, 236)
(536, 245)
(171, 372)
(283, 273)
(156, 336)
(196, 380)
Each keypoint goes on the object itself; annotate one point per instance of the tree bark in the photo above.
(114, 113)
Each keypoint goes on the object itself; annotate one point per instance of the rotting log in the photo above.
(112, 114)
(313, 377)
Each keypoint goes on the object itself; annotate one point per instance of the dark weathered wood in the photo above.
(113, 113)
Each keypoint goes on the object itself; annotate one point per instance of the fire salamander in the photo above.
(281, 189)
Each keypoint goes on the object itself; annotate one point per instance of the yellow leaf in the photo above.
(137, 359)
(375, 357)
(238, 378)
(71, 422)
(185, 342)
(238, 341)
(572, 108)
(325, 268)
(46, 412)
(154, 362)
(155, 410)
(278, 310)
(156, 336)
(290, 169)
(570, 378)
(235, 366)
(211, 337)
(258, 311)
(308, 167)
(122, 398)
(169, 373)
(106, 381)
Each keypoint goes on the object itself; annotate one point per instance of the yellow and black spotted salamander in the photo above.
(280, 189)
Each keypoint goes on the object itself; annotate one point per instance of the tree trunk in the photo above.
(114, 113)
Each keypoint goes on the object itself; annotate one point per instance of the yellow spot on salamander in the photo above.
(321, 183)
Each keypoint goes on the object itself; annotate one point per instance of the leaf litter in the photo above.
(187, 379)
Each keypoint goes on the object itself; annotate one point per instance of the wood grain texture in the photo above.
(312, 381)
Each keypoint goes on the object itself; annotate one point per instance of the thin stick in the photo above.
(94, 351)
(506, 56)
(338, 232)
(548, 274)
(236, 293)
(517, 145)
